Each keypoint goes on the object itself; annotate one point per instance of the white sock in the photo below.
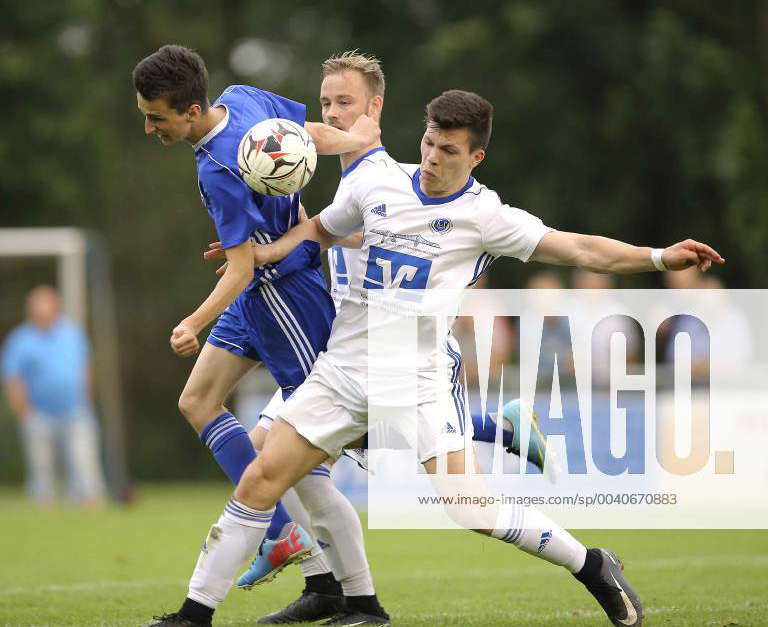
(337, 524)
(316, 563)
(533, 532)
(230, 542)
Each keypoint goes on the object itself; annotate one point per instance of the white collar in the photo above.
(216, 129)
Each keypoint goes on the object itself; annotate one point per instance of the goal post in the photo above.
(84, 280)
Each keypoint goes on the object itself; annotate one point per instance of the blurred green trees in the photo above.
(642, 121)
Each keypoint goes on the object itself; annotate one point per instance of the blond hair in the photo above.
(352, 60)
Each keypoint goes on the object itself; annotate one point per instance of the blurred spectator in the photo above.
(503, 344)
(689, 279)
(556, 331)
(601, 308)
(729, 328)
(730, 334)
(46, 372)
(730, 337)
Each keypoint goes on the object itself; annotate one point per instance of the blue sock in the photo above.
(280, 518)
(485, 430)
(233, 450)
(230, 445)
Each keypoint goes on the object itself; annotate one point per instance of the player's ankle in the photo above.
(324, 583)
(366, 604)
(591, 568)
(196, 612)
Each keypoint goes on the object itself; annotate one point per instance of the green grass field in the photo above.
(121, 566)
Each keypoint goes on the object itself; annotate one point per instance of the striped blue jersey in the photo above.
(238, 212)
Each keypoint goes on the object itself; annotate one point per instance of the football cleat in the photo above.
(613, 592)
(309, 607)
(359, 618)
(359, 456)
(538, 453)
(274, 555)
(176, 620)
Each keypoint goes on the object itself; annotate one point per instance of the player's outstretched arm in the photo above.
(311, 229)
(602, 254)
(216, 253)
(333, 141)
(237, 275)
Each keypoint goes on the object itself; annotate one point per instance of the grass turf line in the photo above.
(119, 566)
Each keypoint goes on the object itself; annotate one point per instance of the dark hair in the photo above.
(463, 109)
(175, 73)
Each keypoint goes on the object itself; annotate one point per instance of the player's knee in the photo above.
(192, 406)
(187, 405)
(256, 489)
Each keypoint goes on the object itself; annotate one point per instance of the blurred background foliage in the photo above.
(644, 121)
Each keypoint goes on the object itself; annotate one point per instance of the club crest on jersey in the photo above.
(380, 210)
(441, 226)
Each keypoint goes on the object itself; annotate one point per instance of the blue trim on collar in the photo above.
(438, 200)
(359, 160)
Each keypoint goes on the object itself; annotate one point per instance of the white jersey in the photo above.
(412, 241)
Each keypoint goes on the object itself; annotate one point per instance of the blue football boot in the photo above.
(274, 555)
(511, 415)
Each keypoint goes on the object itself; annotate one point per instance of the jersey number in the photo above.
(340, 266)
(392, 270)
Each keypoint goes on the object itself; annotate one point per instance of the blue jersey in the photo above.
(283, 321)
(238, 212)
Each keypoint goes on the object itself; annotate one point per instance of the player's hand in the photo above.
(184, 341)
(690, 253)
(214, 252)
(367, 129)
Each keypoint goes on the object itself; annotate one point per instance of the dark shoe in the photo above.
(176, 620)
(613, 592)
(309, 607)
(358, 618)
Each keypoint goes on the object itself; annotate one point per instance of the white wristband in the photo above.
(657, 260)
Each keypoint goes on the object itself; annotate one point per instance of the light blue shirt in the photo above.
(52, 363)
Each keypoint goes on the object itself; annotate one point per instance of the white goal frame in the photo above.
(84, 280)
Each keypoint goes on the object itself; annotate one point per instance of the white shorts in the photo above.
(330, 409)
(269, 413)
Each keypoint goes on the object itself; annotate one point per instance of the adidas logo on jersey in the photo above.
(449, 428)
(380, 210)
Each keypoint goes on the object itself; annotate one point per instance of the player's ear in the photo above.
(375, 105)
(477, 156)
(193, 112)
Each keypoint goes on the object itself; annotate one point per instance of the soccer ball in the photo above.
(276, 157)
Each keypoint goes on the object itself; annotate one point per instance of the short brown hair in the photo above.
(175, 73)
(352, 60)
(463, 109)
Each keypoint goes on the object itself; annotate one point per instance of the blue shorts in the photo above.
(284, 324)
